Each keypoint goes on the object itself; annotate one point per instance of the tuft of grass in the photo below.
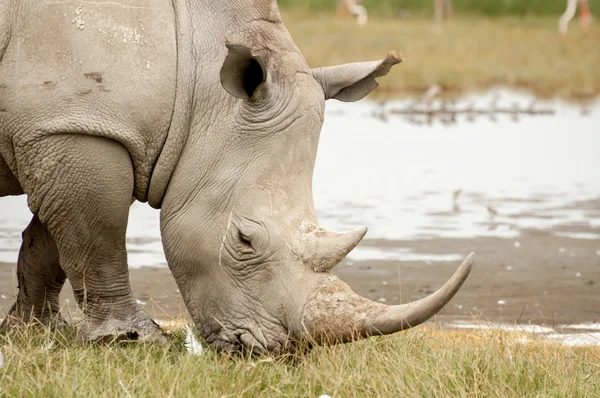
(470, 54)
(420, 362)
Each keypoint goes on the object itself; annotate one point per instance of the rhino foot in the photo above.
(20, 314)
(136, 328)
(40, 279)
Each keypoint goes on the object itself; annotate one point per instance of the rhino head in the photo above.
(238, 221)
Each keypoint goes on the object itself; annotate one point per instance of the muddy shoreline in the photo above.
(537, 279)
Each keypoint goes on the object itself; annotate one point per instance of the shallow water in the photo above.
(399, 175)
(570, 335)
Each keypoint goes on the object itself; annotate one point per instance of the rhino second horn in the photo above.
(324, 250)
(335, 314)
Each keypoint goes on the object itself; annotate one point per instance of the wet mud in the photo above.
(539, 278)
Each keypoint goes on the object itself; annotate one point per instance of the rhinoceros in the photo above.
(208, 111)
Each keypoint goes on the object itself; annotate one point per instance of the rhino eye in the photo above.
(245, 241)
(248, 240)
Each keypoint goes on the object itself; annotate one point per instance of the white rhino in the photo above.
(208, 111)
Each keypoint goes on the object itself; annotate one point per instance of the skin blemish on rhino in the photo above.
(48, 82)
(97, 76)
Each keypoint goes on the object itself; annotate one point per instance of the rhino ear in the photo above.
(351, 82)
(242, 73)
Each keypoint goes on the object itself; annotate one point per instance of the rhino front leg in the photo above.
(81, 188)
(40, 277)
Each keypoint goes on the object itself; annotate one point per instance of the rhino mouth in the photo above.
(252, 340)
(242, 343)
(226, 346)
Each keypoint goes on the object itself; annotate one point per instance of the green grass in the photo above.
(470, 54)
(418, 363)
(474, 7)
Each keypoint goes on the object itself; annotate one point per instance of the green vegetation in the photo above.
(471, 53)
(477, 7)
(420, 362)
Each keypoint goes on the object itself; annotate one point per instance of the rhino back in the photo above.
(105, 68)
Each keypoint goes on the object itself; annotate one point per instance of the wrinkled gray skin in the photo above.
(208, 111)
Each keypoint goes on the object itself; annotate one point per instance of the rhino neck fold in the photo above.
(178, 132)
(201, 31)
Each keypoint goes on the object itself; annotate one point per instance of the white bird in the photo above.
(1, 360)
(455, 205)
(192, 345)
(433, 91)
(357, 9)
(563, 23)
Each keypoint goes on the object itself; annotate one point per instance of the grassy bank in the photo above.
(470, 54)
(420, 362)
(469, 7)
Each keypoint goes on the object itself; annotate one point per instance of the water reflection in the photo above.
(425, 181)
(428, 109)
(483, 178)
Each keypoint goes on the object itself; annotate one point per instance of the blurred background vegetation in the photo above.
(485, 43)
(491, 8)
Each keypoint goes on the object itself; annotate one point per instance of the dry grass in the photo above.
(420, 362)
(470, 54)
(460, 7)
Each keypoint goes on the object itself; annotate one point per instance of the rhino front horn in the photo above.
(337, 314)
(322, 250)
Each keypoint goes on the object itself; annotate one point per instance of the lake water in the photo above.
(425, 176)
